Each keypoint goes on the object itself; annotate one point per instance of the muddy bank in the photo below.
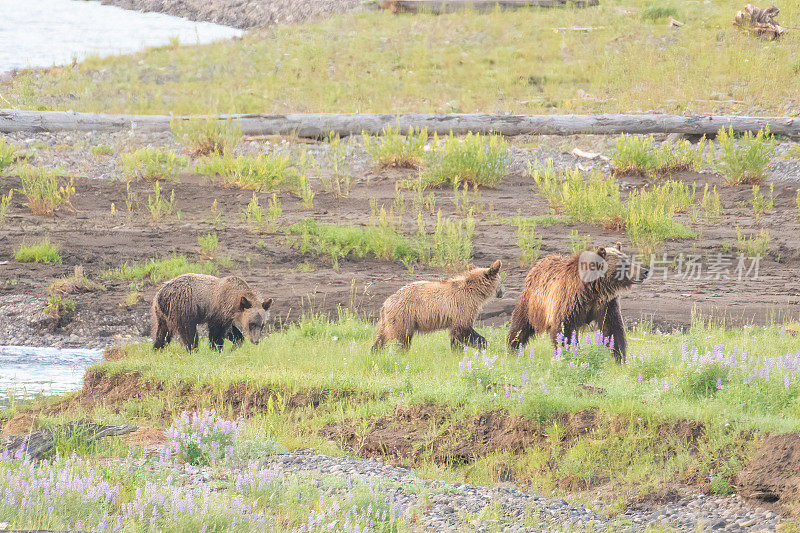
(242, 14)
(101, 234)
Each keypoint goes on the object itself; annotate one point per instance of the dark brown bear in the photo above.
(228, 305)
(427, 306)
(566, 292)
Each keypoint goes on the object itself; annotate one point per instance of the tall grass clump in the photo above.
(208, 243)
(744, 162)
(760, 202)
(5, 202)
(159, 205)
(529, 243)
(264, 172)
(156, 271)
(451, 241)
(710, 205)
(340, 178)
(6, 154)
(657, 12)
(42, 252)
(649, 216)
(42, 189)
(476, 160)
(752, 245)
(207, 136)
(635, 154)
(152, 164)
(394, 149)
(589, 197)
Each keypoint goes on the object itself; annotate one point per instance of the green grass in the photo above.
(466, 62)
(208, 243)
(396, 149)
(156, 271)
(752, 245)
(745, 161)
(656, 12)
(264, 172)
(152, 164)
(42, 252)
(207, 136)
(6, 154)
(43, 190)
(473, 160)
(638, 154)
(5, 202)
(159, 205)
(590, 197)
(448, 245)
(102, 150)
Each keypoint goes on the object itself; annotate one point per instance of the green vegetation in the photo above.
(42, 252)
(464, 62)
(752, 245)
(5, 201)
(449, 245)
(60, 309)
(158, 205)
(394, 149)
(340, 178)
(638, 154)
(208, 243)
(762, 204)
(253, 214)
(274, 212)
(710, 205)
(152, 164)
(207, 136)
(529, 243)
(472, 160)
(264, 172)
(648, 216)
(6, 154)
(745, 161)
(655, 12)
(579, 243)
(102, 150)
(41, 187)
(156, 271)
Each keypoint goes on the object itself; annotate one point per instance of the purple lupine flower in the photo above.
(639, 378)
(719, 383)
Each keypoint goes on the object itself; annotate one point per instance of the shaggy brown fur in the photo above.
(557, 299)
(427, 306)
(228, 305)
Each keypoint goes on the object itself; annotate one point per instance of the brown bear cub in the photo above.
(562, 293)
(228, 305)
(427, 306)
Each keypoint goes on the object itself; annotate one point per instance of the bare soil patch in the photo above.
(773, 475)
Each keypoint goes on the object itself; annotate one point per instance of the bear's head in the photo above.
(611, 267)
(486, 281)
(252, 316)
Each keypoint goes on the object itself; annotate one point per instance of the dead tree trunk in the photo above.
(318, 125)
(450, 6)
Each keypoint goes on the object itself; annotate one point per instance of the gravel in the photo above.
(444, 506)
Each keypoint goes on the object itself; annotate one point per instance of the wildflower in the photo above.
(639, 378)
(719, 383)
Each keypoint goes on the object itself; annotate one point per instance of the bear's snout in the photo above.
(642, 274)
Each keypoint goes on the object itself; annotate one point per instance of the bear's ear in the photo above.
(619, 246)
(245, 303)
(495, 268)
(266, 303)
(601, 252)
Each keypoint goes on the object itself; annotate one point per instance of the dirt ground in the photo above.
(98, 239)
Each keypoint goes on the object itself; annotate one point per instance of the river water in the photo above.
(26, 372)
(43, 33)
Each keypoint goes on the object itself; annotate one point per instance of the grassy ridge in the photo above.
(523, 61)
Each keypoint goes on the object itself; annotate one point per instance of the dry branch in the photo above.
(318, 125)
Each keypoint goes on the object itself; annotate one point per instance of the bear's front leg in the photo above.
(613, 325)
(466, 337)
(235, 336)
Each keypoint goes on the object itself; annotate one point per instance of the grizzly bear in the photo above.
(427, 306)
(565, 292)
(228, 305)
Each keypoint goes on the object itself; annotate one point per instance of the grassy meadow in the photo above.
(520, 61)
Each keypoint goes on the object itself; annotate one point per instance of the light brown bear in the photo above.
(426, 306)
(563, 293)
(228, 305)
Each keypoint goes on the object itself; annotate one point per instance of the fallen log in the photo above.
(450, 6)
(318, 125)
(36, 444)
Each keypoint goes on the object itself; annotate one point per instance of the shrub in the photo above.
(265, 172)
(340, 178)
(589, 198)
(452, 242)
(152, 164)
(60, 309)
(76, 283)
(274, 212)
(656, 12)
(711, 204)
(158, 271)
(752, 245)
(207, 136)
(42, 252)
(638, 155)
(705, 380)
(253, 214)
(393, 149)
(102, 150)
(579, 243)
(5, 201)
(761, 203)
(473, 160)
(529, 244)
(40, 186)
(202, 438)
(747, 162)
(158, 205)
(6, 154)
(208, 243)
(649, 216)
